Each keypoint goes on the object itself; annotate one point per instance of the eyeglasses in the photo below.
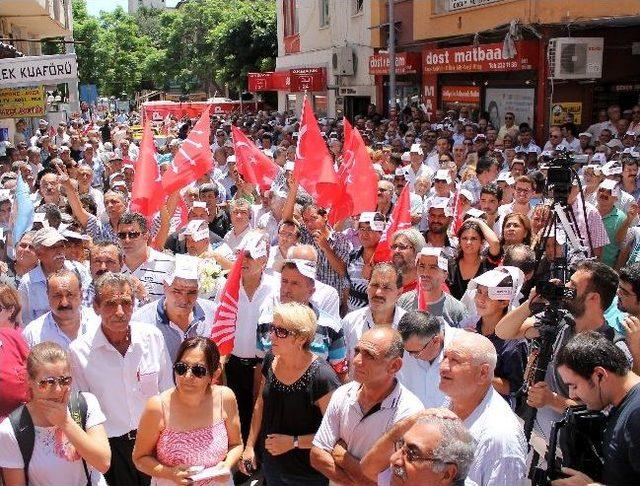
(398, 246)
(415, 354)
(50, 381)
(280, 332)
(508, 118)
(197, 370)
(131, 234)
(411, 455)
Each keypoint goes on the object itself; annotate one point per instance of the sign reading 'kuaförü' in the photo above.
(37, 70)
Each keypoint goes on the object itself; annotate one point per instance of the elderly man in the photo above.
(67, 319)
(405, 246)
(176, 241)
(240, 211)
(49, 245)
(180, 314)
(431, 270)
(383, 290)
(140, 260)
(425, 337)
(104, 256)
(466, 374)
(613, 219)
(431, 447)
(360, 411)
(122, 363)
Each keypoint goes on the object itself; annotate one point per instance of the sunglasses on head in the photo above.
(50, 381)
(131, 234)
(197, 370)
(280, 332)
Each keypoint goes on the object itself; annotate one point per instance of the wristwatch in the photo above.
(295, 442)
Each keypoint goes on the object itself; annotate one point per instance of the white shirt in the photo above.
(356, 323)
(245, 344)
(45, 328)
(501, 449)
(423, 378)
(153, 272)
(344, 419)
(324, 298)
(233, 239)
(423, 170)
(122, 384)
(46, 467)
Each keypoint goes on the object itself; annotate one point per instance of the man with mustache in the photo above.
(405, 245)
(67, 319)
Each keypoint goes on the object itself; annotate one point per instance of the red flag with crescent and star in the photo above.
(253, 164)
(147, 194)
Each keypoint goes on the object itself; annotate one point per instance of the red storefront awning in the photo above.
(406, 63)
(292, 80)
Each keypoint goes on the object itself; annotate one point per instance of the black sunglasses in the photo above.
(50, 381)
(131, 234)
(280, 332)
(197, 370)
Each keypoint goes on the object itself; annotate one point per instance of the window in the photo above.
(290, 17)
(324, 13)
(357, 6)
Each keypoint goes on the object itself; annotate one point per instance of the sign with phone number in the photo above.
(22, 102)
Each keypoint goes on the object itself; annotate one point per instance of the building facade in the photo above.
(324, 46)
(541, 59)
(134, 5)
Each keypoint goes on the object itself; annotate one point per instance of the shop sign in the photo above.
(270, 81)
(406, 63)
(38, 70)
(461, 94)
(281, 81)
(22, 102)
(480, 58)
(308, 79)
(559, 112)
(623, 88)
(460, 4)
(429, 94)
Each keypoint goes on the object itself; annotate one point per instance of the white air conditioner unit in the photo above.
(575, 57)
(344, 61)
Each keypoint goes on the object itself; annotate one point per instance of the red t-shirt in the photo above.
(13, 372)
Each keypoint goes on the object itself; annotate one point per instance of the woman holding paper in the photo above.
(190, 434)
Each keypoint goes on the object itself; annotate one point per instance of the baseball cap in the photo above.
(443, 263)
(305, 267)
(443, 175)
(376, 220)
(599, 158)
(493, 278)
(231, 159)
(467, 193)
(506, 177)
(585, 134)
(47, 237)
(186, 267)
(400, 172)
(74, 235)
(416, 149)
(610, 185)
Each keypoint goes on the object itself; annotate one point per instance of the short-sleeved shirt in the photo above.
(292, 410)
(48, 461)
(341, 246)
(447, 307)
(612, 223)
(622, 442)
(153, 272)
(101, 230)
(45, 328)
(358, 297)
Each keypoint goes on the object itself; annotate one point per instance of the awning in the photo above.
(406, 63)
(292, 80)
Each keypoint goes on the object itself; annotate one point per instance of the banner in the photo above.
(159, 110)
(22, 102)
(481, 58)
(37, 70)
(461, 4)
(519, 101)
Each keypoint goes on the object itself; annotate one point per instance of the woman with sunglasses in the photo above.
(193, 426)
(61, 445)
(294, 394)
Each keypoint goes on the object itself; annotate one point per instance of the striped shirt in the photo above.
(341, 246)
(153, 272)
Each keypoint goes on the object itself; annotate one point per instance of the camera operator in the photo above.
(597, 373)
(595, 285)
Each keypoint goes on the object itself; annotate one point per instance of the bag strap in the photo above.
(25, 433)
(78, 410)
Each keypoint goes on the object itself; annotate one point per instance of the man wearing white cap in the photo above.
(49, 245)
(439, 218)
(288, 236)
(585, 140)
(176, 242)
(431, 270)
(612, 218)
(180, 314)
(416, 165)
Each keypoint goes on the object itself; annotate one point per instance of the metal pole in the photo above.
(392, 56)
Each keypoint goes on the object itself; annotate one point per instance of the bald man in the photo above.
(466, 374)
(360, 411)
(325, 297)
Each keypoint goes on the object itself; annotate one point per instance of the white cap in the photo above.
(585, 134)
(443, 175)
(289, 165)
(474, 212)
(405, 157)
(186, 267)
(492, 279)
(516, 160)
(432, 251)
(255, 244)
(231, 159)
(506, 177)
(375, 220)
(305, 267)
(400, 172)
(467, 193)
(439, 203)
(128, 166)
(41, 218)
(47, 237)
(74, 235)
(480, 136)
(416, 149)
(610, 185)
(200, 204)
(612, 168)
(614, 144)
(629, 133)
(193, 229)
(599, 158)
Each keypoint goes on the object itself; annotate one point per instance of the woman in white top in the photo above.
(61, 445)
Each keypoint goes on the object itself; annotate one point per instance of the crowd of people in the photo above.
(346, 368)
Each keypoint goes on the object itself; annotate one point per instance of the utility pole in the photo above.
(392, 56)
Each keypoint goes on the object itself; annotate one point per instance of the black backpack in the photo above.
(25, 432)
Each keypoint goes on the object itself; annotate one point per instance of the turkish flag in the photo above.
(313, 164)
(357, 188)
(253, 164)
(347, 130)
(400, 219)
(226, 317)
(194, 158)
(147, 194)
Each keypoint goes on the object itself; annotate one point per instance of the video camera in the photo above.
(560, 173)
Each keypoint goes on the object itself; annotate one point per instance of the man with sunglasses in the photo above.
(123, 363)
(509, 127)
(360, 411)
(140, 260)
(425, 337)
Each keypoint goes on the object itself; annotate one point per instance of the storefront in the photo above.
(408, 83)
(480, 78)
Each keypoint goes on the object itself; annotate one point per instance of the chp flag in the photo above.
(147, 194)
(400, 219)
(226, 318)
